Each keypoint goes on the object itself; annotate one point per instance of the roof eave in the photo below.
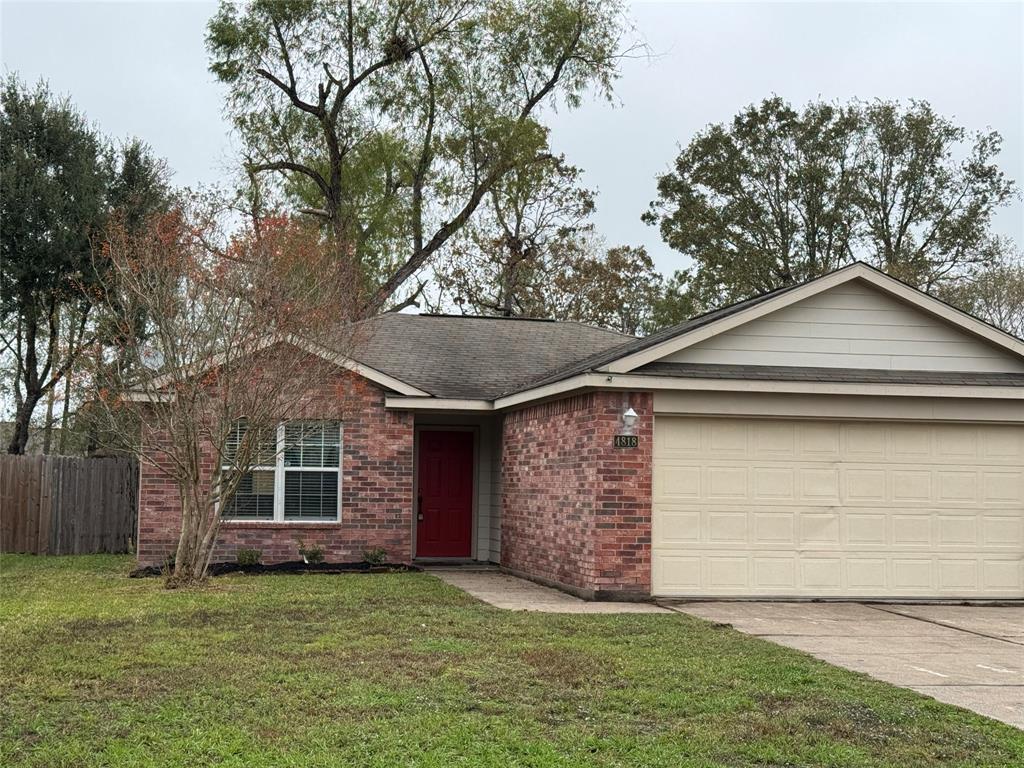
(647, 382)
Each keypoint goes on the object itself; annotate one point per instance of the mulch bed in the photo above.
(291, 566)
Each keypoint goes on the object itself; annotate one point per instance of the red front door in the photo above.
(444, 525)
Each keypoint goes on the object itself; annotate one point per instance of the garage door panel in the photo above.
(726, 439)
(818, 484)
(864, 485)
(1004, 445)
(774, 483)
(838, 574)
(726, 527)
(864, 442)
(1002, 487)
(1003, 532)
(677, 481)
(818, 441)
(912, 445)
(774, 439)
(1002, 575)
(677, 526)
(913, 530)
(775, 572)
(678, 574)
(820, 528)
(867, 575)
(727, 483)
(867, 528)
(911, 486)
(802, 508)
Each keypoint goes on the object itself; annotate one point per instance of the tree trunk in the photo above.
(62, 446)
(48, 427)
(199, 527)
(19, 438)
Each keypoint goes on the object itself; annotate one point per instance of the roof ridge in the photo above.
(487, 317)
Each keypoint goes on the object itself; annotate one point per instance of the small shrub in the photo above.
(249, 556)
(313, 554)
(375, 556)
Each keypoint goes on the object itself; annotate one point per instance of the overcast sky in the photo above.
(140, 69)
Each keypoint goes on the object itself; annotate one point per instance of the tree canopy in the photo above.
(779, 196)
(59, 180)
(391, 122)
(531, 226)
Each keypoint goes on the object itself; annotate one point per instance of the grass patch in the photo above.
(401, 669)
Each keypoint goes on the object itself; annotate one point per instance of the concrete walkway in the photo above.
(970, 656)
(514, 594)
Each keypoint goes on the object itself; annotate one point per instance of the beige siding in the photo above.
(488, 531)
(494, 539)
(851, 326)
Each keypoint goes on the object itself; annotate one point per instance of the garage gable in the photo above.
(853, 325)
(854, 318)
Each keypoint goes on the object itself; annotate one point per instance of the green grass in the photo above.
(403, 670)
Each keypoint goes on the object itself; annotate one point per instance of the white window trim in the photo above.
(279, 470)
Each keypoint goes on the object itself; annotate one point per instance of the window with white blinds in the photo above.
(300, 483)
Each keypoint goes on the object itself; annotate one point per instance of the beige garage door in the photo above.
(747, 507)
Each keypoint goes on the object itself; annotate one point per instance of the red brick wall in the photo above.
(376, 480)
(575, 510)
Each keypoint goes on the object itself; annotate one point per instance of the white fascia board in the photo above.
(818, 387)
(148, 397)
(858, 271)
(401, 403)
(343, 361)
(642, 382)
(385, 380)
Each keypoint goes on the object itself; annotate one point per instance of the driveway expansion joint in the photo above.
(943, 624)
(965, 655)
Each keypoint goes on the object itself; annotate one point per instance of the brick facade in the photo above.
(575, 510)
(376, 488)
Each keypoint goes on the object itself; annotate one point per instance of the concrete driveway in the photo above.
(971, 656)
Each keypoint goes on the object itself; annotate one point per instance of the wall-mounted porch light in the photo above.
(629, 420)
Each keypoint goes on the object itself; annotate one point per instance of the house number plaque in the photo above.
(627, 441)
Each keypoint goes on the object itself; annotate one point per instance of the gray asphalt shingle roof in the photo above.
(455, 356)
(632, 345)
(475, 357)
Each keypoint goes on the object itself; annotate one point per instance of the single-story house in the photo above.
(849, 437)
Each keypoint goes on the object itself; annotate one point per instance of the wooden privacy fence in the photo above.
(60, 505)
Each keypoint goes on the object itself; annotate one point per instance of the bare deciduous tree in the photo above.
(240, 329)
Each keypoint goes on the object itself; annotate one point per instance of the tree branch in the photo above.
(288, 165)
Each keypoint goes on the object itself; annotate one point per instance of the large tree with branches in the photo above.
(530, 228)
(391, 121)
(781, 195)
(59, 183)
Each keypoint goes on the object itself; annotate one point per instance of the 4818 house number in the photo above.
(627, 441)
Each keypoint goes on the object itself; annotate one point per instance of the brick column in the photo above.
(576, 511)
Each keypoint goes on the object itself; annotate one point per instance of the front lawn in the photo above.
(401, 669)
